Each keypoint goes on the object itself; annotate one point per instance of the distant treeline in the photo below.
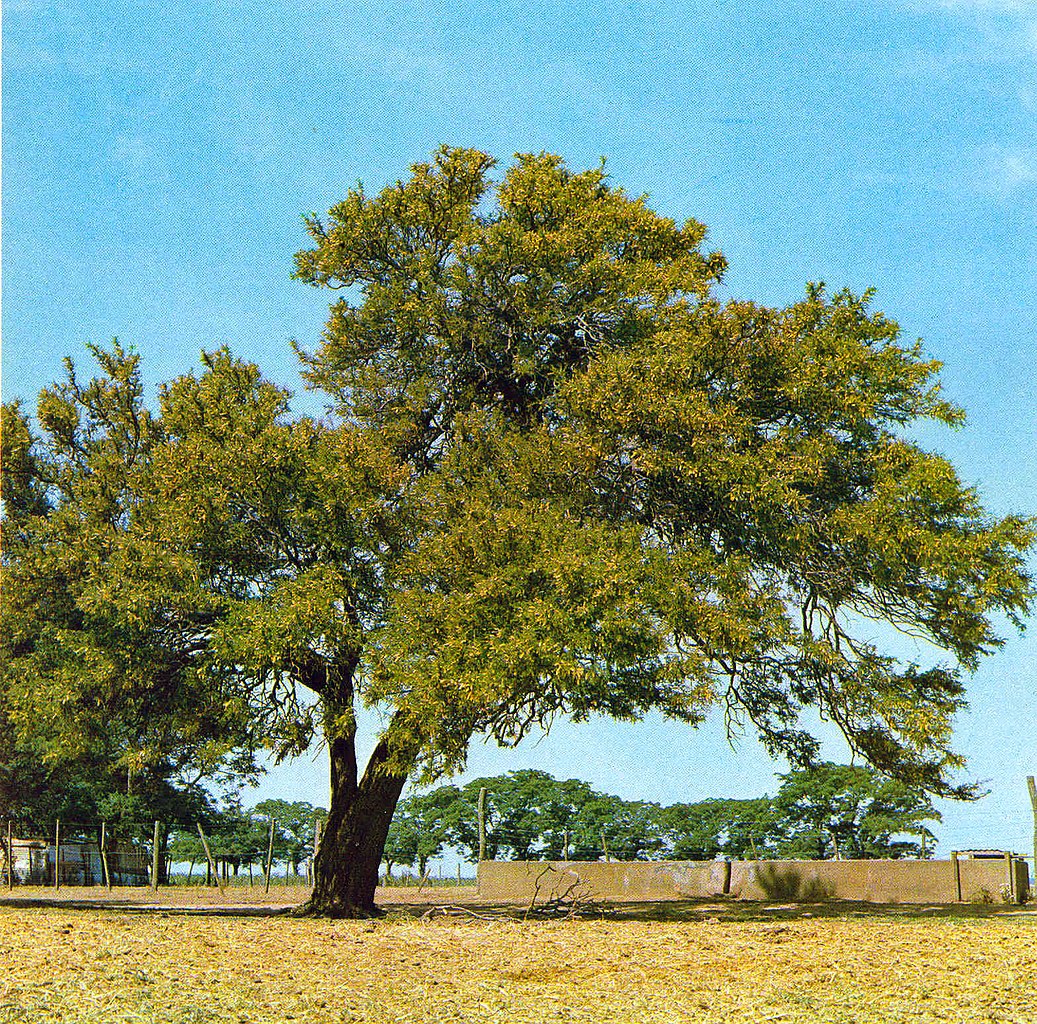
(827, 811)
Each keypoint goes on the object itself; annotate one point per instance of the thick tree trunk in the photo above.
(345, 870)
(353, 840)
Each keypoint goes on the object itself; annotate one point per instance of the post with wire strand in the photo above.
(482, 824)
(1033, 803)
(269, 855)
(316, 849)
(154, 859)
(104, 856)
(212, 865)
(57, 853)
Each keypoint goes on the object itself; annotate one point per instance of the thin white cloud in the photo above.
(1001, 171)
(1015, 168)
(1007, 29)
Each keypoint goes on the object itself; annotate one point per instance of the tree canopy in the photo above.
(825, 811)
(559, 475)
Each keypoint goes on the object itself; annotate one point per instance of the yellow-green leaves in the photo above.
(627, 494)
(560, 477)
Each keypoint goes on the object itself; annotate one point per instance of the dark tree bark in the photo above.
(345, 871)
(351, 846)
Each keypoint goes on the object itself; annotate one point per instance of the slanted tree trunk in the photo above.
(351, 846)
(345, 871)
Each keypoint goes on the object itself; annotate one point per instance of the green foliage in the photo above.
(822, 812)
(559, 477)
(849, 811)
(240, 836)
(740, 829)
(421, 826)
(529, 816)
(98, 715)
(629, 495)
(294, 827)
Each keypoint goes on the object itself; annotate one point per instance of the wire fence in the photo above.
(264, 851)
(156, 853)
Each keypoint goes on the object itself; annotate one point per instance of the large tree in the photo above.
(849, 811)
(558, 477)
(99, 715)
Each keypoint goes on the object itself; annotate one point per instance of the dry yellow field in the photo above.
(93, 966)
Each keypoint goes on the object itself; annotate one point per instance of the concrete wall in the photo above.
(876, 881)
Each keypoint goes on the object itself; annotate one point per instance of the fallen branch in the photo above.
(575, 901)
(455, 911)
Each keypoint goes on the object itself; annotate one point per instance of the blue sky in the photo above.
(157, 159)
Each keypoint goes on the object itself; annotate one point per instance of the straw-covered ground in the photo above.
(95, 965)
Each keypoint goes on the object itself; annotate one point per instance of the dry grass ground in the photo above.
(90, 965)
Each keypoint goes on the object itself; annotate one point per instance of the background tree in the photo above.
(295, 822)
(849, 811)
(529, 815)
(94, 696)
(421, 826)
(820, 811)
(741, 829)
(559, 478)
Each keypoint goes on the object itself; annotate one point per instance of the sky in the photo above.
(158, 160)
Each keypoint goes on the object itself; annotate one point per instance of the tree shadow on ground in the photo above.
(723, 910)
(709, 910)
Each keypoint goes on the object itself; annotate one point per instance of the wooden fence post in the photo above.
(1033, 803)
(103, 850)
(57, 853)
(269, 855)
(208, 856)
(605, 846)
(154, 859)
(957, 874)
(10, 856)
(316, 848)
(482, 824)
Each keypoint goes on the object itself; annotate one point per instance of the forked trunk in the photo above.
(353, 840)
